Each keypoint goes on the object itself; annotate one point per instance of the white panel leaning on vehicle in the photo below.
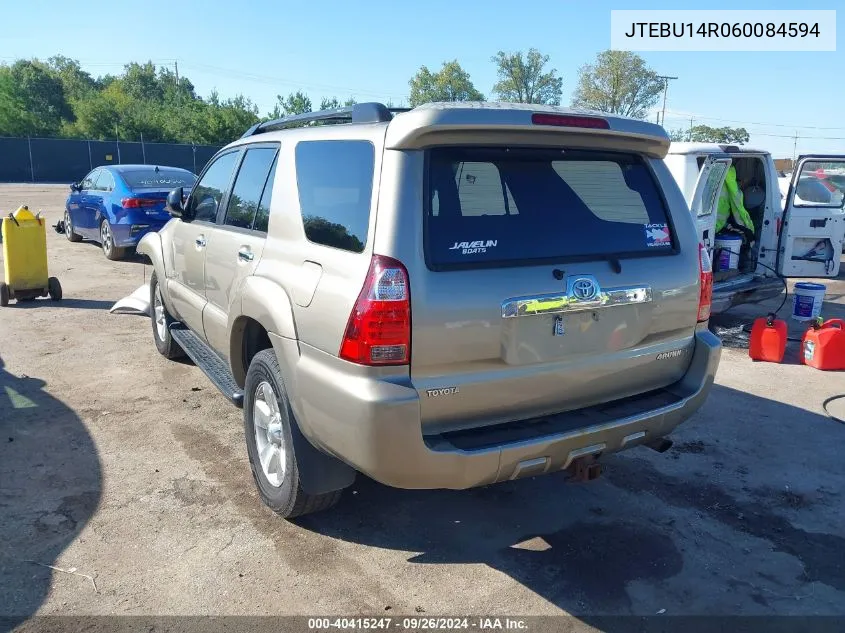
(443, 297)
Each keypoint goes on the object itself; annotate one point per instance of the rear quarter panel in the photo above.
(321, 282)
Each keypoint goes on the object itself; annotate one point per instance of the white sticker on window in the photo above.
(657, 235)
(469, 248)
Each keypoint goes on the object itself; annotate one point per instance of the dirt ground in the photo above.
(130, 471)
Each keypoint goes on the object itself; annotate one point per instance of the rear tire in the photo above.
(107, 242)
(161, 320)
(4, 295)
(54, 289)
(267, 424)
(69, 234)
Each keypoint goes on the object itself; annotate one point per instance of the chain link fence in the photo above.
(69, 160)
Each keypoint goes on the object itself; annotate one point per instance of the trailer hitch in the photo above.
(584, 469)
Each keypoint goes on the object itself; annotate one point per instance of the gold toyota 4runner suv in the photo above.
(443, 297)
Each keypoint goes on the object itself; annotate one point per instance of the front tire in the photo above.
(107, 242)
(162, 321)
(267, 424)
(4, 294)
(69, 234)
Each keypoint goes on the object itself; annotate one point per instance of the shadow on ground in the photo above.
(78, 304)
(581, 546)
(51, 486)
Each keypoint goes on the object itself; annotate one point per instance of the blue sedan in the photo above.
(116, 205)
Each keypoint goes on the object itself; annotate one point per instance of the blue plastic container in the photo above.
(808, 300)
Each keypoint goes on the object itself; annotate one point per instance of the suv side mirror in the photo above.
(174, 203)
(75, 186)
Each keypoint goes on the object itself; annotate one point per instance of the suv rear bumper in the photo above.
(374, 425)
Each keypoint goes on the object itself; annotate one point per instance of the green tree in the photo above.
(329, 104)
(41, 94)
(619, 82)
(728, 135)
(294, 103)
(140, 81)
(678, 134)
(76, 82)
(450, 83)
(523, 79)
(225, 120)
(15, 120)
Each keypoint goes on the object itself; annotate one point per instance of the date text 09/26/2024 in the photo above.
(417, 623)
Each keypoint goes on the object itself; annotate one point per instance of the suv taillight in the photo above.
(705, 296)
(379, 328)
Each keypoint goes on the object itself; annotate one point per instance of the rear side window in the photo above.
(262, 218)
(249, 187)
(509, 206)
(105, 182)
(335, 183)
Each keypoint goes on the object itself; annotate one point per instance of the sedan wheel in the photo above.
(69, 234)
(107, 242)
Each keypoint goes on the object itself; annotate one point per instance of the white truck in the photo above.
(794, 237)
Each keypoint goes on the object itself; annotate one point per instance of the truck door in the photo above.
(705, 197)
(813, 227)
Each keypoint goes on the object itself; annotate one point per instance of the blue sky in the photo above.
(371, 49)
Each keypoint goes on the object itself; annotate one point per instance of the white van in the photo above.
(795, 237)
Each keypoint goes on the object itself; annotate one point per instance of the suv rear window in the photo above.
(335, 182)
(510, 206)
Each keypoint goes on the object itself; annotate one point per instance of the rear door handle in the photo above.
(245, 254)
(200, 241)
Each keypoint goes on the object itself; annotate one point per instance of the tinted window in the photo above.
(262, 218)
(335, 182)
(163, 179)
(249, 186)
(206, 196)
(496, 205)
(105, 181)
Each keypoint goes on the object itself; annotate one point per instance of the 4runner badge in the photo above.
(667, 355)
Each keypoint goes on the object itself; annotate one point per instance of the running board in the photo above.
(211, 364)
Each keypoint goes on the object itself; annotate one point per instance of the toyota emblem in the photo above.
(584, 289)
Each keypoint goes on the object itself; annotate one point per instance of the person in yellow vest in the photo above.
(731, 206)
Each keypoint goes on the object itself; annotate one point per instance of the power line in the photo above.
(754, 132)
(786, 125)
(275, 81)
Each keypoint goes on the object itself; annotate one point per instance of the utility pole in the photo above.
(690, 129)
(176, 64)
(795, 150)
(665, 90)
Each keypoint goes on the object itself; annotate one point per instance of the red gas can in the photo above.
(823, 347)
(768, 339)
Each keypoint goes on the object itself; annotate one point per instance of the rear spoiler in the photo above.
(525, 125)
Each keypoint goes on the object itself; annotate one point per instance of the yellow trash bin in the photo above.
(25, 259)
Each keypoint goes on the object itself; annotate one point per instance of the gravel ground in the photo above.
(131, 471)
